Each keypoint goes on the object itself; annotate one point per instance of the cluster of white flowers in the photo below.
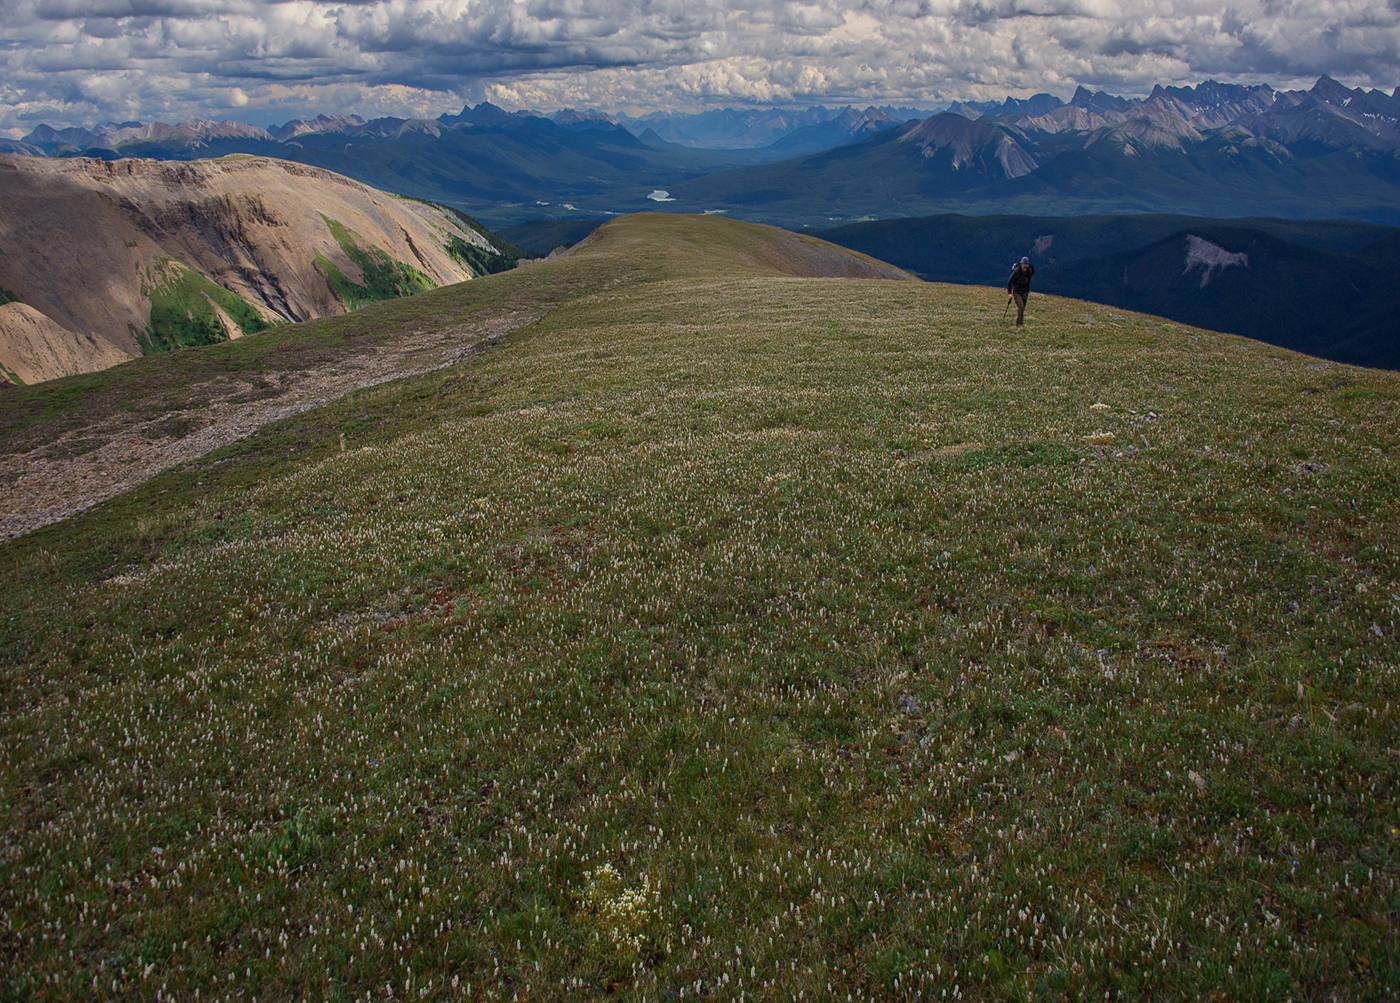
(625, 915)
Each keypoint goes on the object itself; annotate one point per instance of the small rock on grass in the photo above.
(909, 705)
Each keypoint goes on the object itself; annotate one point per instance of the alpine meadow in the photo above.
(729, 618)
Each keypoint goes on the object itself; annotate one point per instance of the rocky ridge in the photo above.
(116, 258)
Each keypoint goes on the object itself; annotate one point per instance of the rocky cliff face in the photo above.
(973, 145)
(34, 348)
(144, 255)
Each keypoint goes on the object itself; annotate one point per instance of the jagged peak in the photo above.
(1327, 88)
(1100, 101)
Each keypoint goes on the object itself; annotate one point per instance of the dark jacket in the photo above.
(1020, 280)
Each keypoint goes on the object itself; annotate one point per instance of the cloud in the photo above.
(77, 61)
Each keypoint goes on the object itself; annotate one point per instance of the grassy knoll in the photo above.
(733, 635)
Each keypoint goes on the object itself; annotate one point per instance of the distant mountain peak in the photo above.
(1329, 90)
(1099, 101)
(484, 114)
(571, 116)
(319, 124)
(971, 145)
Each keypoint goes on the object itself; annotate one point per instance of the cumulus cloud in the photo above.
(77, 61)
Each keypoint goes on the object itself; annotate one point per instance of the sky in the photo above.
(75, 62)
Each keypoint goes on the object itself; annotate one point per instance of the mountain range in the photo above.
(787, 132)
(1214, 150)
(513, 165)
(1159, 177)
(780, 130)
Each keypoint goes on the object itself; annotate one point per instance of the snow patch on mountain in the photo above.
(1210, 258)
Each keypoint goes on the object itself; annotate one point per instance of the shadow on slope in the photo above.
(1244, 281)
(980, 249)
(540, 236)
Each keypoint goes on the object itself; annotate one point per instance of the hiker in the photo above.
(1018, 287)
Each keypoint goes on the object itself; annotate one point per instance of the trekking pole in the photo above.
(1008, 307)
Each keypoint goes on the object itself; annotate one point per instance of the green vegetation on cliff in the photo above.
(383, 277)
(504, 260)
(479, 260)
(182, 309)
(731, 635)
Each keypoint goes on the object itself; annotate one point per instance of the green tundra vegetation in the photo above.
(383, 277)
(727, 634)
(182, 309)
(481, 261)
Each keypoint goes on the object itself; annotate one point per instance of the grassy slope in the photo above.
(177, 381)
(803, 605)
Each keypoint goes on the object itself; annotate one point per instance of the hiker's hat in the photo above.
(1025, 261)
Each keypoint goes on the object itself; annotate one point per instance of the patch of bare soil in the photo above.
(89, 464)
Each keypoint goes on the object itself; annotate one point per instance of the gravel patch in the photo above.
(45, 485)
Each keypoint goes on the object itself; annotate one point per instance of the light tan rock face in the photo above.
(971, 144)
(34, 348)
(77, 236)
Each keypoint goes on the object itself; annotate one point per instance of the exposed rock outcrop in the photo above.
(34, 348)
(972, 145)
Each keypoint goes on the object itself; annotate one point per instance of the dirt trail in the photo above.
(58, 479)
